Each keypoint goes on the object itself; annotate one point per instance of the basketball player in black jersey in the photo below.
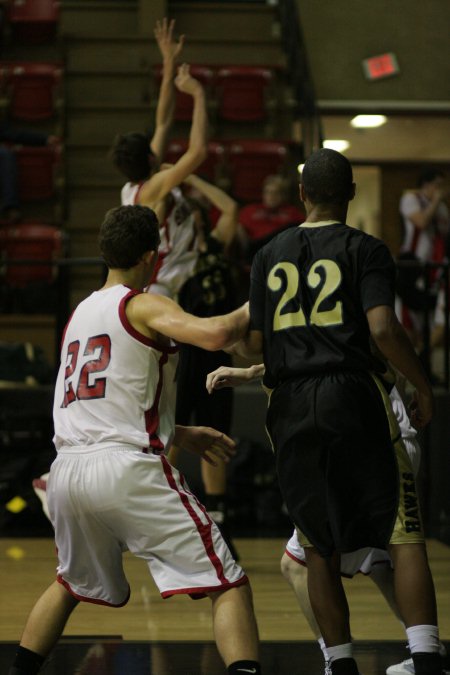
(318, 293)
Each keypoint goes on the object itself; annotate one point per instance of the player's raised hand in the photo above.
(185, 82)
(169, 47)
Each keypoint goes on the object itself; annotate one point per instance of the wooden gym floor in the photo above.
(151, 636)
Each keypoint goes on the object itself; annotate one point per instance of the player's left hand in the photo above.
(210, 444)
(169, 47)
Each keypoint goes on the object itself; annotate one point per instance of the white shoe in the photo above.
(406, 667)
(403, 668)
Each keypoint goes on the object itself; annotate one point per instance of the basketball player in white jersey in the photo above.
(148, 185)
(374, 562)
(110, 487)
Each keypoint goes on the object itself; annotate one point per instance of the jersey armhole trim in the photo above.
(144, 339)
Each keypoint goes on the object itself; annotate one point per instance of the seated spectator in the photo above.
(260, 222)
(426, 222)
(9, 182)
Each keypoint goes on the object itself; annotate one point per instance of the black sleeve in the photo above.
(377, 275)
(257, 293)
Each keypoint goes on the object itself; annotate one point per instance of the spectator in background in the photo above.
(426, 220)
(260, 222)
(9, 182)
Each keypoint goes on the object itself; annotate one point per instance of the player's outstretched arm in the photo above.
(161, 183)
(151, 314)
(225, 229)
(226, 376)
(213, 446)
(170, 50)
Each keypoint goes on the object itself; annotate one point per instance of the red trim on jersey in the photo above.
(135, 333)
(152, 415)
(294, 557)
(203, 530)
(83, 598)
(140, 185)
(159, 263)
(200, 592)
(39, 484)
(65, 330)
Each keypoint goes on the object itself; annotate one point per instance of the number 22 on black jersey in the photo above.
(326, 285)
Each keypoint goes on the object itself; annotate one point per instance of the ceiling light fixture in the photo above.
(368, 121)
(334, 144)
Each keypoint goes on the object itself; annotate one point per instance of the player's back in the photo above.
(311, 287)
(114, 386)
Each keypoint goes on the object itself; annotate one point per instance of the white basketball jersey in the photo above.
(129, 194)
(178, 252)
(115, 386)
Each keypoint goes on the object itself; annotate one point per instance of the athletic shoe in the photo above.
(40, 489)
(406, 667)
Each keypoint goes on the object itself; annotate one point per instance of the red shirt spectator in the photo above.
(260, 222)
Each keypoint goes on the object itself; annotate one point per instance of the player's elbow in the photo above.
(383, 324)
(201, 152)
(218, 339)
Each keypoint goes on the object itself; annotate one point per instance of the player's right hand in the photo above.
(226, 376)
(184, 81)
(421, 409)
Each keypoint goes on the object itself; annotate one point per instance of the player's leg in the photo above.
(416, 600)
(330, 607)
(44, 627)
(235, 629)
(215, 410)
(383, 577)
(296, 575)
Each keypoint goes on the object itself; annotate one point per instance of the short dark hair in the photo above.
(127, 232)
(428, 175)
(327, 177)
(132, 155)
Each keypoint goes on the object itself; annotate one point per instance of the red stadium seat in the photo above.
(33, 242)
(34, 21)
(250, 162)
(32, 90)
(242, 93)
(38, 171)
(211, 168)
(184, 104)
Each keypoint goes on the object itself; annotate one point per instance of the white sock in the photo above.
(323, 647)
(423, 639)
(340, 652)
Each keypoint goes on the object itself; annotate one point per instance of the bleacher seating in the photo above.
(250, 162)
(32, 91)
(242, 93)
(34, 21)
(38, 171)
(30, 241)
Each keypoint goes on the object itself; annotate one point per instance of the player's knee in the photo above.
(291, 570)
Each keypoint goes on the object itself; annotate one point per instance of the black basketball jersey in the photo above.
(310, 289)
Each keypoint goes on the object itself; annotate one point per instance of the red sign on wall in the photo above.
(383, 65)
